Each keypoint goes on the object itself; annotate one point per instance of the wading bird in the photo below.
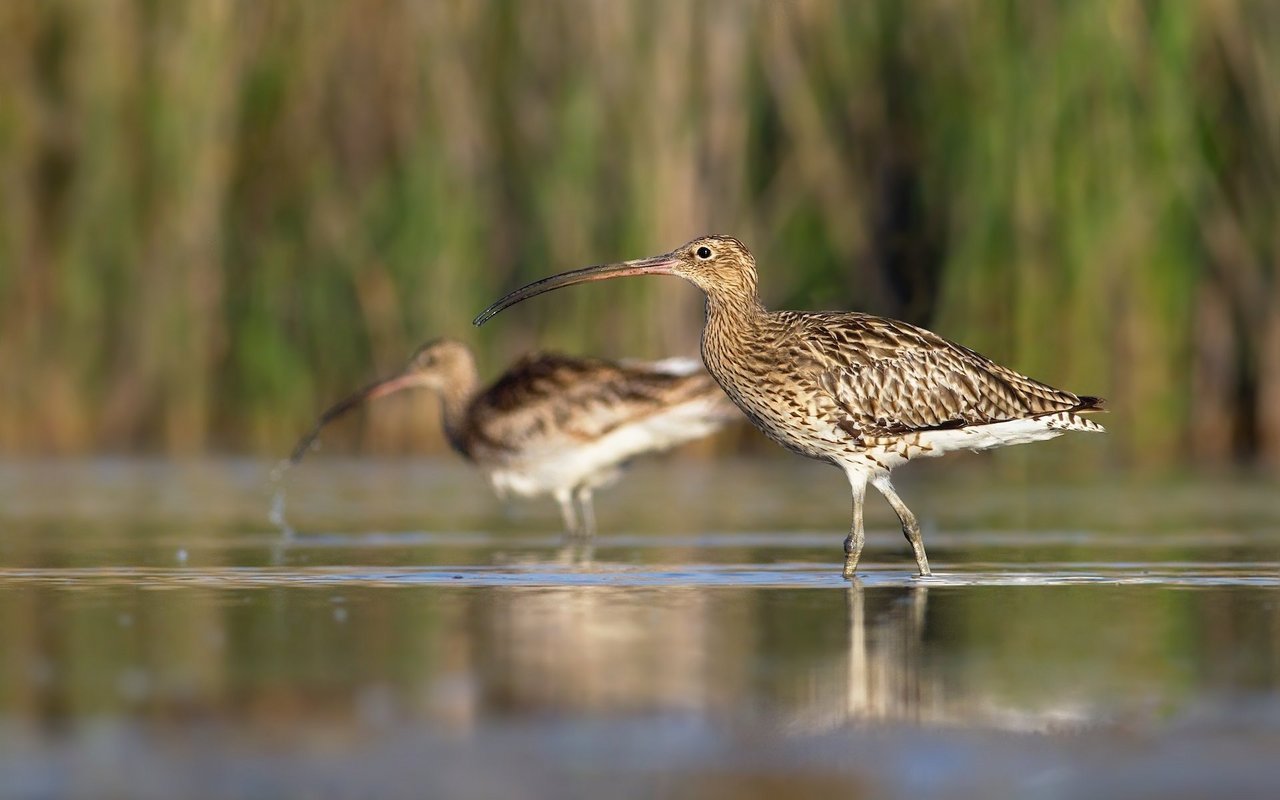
(555, 424)
(864, 393)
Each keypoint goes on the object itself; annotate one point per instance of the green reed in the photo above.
(218, 216)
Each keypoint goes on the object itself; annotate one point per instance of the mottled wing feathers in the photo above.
(546, 397)
(886, 377)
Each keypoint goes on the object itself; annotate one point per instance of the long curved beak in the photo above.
(405, 380)
(656, 265)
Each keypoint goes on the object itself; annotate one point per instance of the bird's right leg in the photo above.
(588, 511)
(565, 498)
(910, 527)
(857, 536)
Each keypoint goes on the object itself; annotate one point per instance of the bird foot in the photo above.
(850, 557)
(852, 553)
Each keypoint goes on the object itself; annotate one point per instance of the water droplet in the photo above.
(276, 515)
(278, 471)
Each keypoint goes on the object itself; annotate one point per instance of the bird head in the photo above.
(721, 266)
(440, 365)
(435, 365)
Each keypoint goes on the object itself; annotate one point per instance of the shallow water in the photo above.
(1103, 637)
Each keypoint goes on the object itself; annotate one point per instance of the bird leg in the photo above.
(588, 511)
(565, 498)
(857, 536)
(910, 527)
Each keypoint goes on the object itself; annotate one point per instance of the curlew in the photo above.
(555, 424)
(864, 393)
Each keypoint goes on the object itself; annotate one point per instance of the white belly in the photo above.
(560, 464)
(886, 454)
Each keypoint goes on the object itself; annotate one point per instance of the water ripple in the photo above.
(547, 574)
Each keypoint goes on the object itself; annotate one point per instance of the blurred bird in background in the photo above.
(554, 424)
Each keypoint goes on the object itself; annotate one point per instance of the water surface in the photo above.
(412, 638)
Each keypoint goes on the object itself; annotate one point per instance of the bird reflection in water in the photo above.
(885, 676)
(606, 650)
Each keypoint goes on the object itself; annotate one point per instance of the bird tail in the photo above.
(1090, 404)
(1070, 419)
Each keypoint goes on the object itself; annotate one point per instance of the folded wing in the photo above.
(884, 378)
(548, 401)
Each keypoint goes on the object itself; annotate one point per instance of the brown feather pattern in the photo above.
(548, 396)
(889, 377)
(827, 384)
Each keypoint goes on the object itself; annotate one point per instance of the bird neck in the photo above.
(455, 404)
(732, 308)
(731, 317)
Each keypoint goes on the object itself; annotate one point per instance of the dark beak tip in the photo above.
(657, 264)
(486, 315)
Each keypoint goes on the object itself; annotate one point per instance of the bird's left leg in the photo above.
(588, 511)
(565, 498)
(857, 536)
(910, 527)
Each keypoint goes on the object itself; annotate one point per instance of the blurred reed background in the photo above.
(216, 217)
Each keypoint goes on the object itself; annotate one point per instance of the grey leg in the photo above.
(565, 498)
(588, 509)
(910, 528)
(857, 536)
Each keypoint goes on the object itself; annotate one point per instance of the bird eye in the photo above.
(703, 252)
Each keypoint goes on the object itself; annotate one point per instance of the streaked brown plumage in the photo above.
(862, 392)
(555, 424)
